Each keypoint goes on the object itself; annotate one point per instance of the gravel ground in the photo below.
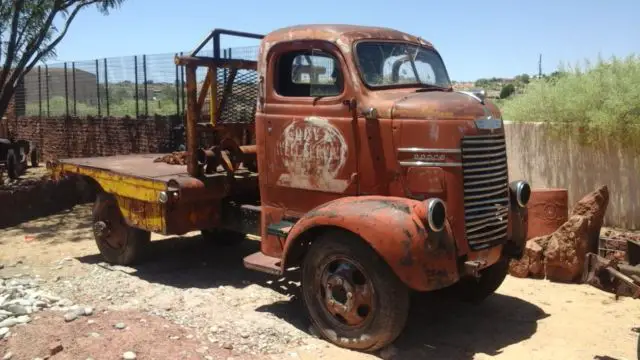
(194, 295)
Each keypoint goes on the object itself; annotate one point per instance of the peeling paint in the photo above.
(313, 152)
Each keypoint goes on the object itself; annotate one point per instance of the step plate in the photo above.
(261, 262)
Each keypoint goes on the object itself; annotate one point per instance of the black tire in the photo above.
(35, 157)
(385, 315)
(12, 165)
(477, 290)
(132, 242)
(222, 237)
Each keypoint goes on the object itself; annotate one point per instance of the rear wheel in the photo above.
(351, 295)
(118, 242)
(12, 165)
(476, 290)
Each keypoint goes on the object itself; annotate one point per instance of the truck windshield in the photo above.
(388, 64)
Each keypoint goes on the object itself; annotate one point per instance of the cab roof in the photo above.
(345, 34)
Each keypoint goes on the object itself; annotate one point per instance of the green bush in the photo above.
(594, 102)
(507, 91)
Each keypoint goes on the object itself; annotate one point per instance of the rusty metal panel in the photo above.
(395, 228)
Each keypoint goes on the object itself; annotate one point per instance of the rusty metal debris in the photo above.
(613, 274)
(175, 158)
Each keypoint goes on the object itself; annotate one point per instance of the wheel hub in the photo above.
(339, 293)
(346, 293)
(101, 230)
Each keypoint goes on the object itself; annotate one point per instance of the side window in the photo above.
(308, 74)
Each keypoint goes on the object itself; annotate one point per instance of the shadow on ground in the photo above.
(438, 327)
(193, 262)
(73, 223)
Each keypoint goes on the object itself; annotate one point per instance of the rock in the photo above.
(129, 355)
(55, 348)
(17, 309)
(70, 316)
(3, 331)
(202, 350)
(94, 335)
(120, 326)
(23, 319)
(565, 254)
(88, 311)
(65, 303)
(8, 356)
(593, 206)
(227, 345)
(10, 322)
(1, 266)
(532, 261)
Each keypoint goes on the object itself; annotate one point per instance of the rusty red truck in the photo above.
(347, 151)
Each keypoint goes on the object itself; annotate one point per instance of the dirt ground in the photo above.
(195, 300)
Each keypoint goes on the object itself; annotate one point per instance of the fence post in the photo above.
(146, 95)
(46, 83)
(106, 86)
(177, 90)
(135, 70)
(98, 87)
(73, 80)
(66, 91)
(39, 92)
(182, 86)
(225, 69)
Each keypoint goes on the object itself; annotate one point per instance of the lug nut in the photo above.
(349, 295)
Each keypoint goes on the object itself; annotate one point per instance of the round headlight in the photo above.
(436, 214)
(523, 193)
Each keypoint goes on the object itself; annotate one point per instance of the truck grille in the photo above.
(486, 190)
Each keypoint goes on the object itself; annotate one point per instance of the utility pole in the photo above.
(540, 66)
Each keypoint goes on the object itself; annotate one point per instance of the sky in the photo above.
(477, 39)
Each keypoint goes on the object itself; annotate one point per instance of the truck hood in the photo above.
(433, 105)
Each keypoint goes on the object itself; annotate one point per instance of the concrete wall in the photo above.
(61, 137)
(546, 161)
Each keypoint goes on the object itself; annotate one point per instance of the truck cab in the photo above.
(360, 165)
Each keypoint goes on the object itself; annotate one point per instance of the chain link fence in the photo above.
(136, 86)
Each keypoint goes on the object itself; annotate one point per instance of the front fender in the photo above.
(395, 228)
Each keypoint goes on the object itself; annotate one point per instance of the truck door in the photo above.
(309, 137)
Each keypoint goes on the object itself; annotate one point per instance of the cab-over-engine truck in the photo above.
(347, 151)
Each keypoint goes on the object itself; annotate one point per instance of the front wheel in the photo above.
(351, 295)
(476, 290)
(119, 243)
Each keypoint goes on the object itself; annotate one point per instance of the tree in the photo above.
(507, 91)
(524, 78)
(28, 35)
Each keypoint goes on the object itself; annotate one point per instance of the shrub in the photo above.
(601, 100)
(507, 91)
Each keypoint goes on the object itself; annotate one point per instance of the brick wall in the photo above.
(8, 117)
(61, 137)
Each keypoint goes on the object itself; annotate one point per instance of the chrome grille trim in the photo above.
(486, 190)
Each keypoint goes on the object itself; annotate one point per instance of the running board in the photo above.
(263, 263)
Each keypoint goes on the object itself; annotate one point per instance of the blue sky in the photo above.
(476, 38)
